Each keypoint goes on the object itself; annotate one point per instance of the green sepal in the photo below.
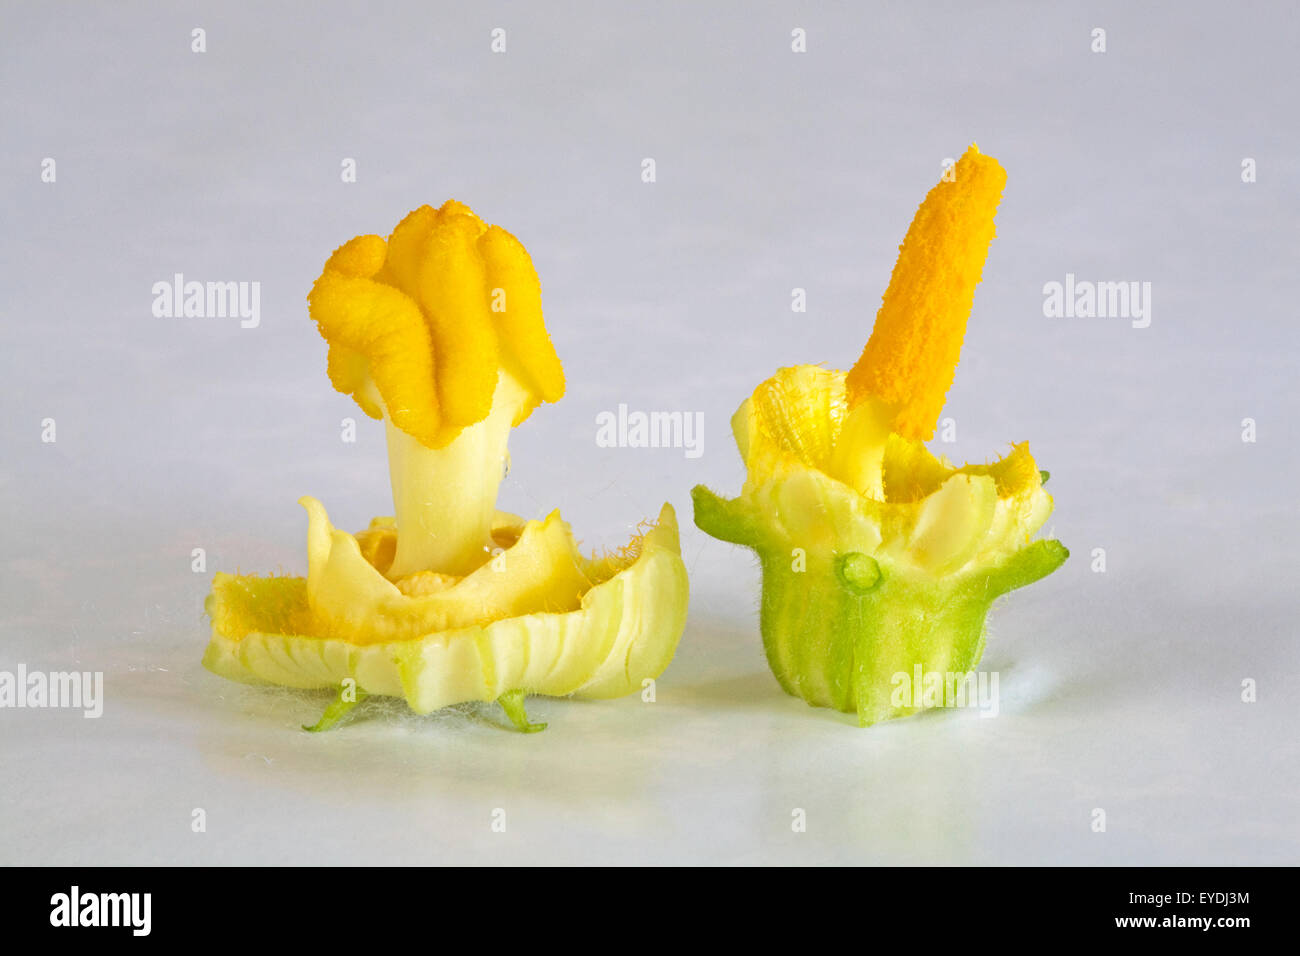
(512, 702)
(839, 627)
(724, 519)
(337, 709)
(1031, 563)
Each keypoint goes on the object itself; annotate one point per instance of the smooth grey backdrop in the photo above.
(775, 170)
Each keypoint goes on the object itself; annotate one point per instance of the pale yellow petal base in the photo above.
(625, 631)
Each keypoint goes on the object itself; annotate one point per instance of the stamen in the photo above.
(911, 358)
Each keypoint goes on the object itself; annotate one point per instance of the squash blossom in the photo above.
(438, 331)
(877, 556)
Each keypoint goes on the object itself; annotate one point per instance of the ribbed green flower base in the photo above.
(839, 627)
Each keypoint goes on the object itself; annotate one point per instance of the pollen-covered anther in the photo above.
(911, 357)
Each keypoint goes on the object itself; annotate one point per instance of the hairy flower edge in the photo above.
(625, 632)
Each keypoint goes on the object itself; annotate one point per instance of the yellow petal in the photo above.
(801, 409)
(353, 601)
(1015, 474)
(624, 632)
(951, 523)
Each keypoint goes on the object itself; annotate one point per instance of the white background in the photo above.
(776, 170)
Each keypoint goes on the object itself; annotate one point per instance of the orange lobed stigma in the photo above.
(430, 318)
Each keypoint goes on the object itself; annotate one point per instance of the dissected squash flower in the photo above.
(878, 556)
(439, 332)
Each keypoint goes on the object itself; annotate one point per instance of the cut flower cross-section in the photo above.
(438, 331)
(878, 557)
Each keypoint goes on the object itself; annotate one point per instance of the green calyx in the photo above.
(862, 587)
(512, 702)
(348, 697)
(838, 628)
